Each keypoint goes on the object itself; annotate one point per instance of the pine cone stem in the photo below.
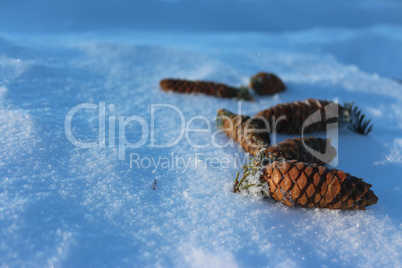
(354, 118)
(236, 182)
(247, 186)
(237, 185)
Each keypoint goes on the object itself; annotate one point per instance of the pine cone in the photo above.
(289, 118)
(266, 83)
(295, 114)
(207, 88)
(249, 132)
(296, 149)
(308, 185)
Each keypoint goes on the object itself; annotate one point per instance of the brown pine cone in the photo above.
(291, 116)
(308, 185)
(249, 132)
(266, 83)
(207, 88)
(296, 149)
(288, 118)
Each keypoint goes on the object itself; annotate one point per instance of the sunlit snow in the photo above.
(63, 206)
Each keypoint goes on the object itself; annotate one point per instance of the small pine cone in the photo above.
(266, 83)
(249, 132)
(296, 149)
(308, 185)
(295, 114)
(207, 88)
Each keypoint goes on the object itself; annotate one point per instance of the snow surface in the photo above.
(63, 206)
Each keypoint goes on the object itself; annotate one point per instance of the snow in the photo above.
(63, 206)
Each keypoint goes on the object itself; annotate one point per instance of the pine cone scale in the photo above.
(249, 132)
(296, 114)
(296, 149)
